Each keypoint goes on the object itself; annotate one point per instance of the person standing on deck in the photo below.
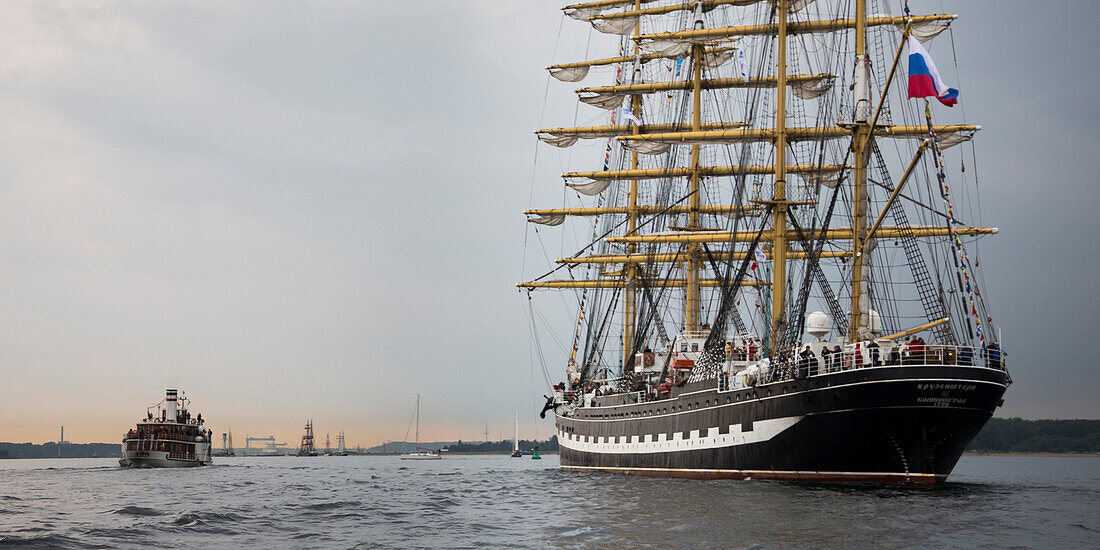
(966, 355)
(994, 355)
(872, 349)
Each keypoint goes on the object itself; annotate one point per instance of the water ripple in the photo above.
(137, 511)
(488, 501)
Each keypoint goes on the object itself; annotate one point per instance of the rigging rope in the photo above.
(963, 261)
(713, 351)
(596, 219)
(813, 270)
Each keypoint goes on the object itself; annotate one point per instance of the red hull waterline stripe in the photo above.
(775, 475)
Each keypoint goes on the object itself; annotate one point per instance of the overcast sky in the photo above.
(314, 210)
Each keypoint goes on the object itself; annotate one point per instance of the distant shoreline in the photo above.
(279, 456)
(491, 453)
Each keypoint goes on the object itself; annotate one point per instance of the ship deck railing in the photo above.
(938, 355)
(695, 333)
(154, 445)
(159, 437)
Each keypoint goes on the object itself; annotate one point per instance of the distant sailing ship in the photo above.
(755, 168)
(418, 453)
(515, 440)
(169, 438)
(307, 447)
(227, 445)
(340, 449)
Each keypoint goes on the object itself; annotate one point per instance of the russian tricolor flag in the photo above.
(924, 79)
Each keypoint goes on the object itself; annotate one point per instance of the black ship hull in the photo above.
(884, 424)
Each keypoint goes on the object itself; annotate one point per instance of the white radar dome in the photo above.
(817, 324)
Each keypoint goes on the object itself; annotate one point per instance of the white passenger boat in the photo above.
(168, 438)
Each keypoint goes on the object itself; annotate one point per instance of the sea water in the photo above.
(497, 501)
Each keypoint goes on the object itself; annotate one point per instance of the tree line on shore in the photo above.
(1016, 435)
(550, 446)
(66, 450)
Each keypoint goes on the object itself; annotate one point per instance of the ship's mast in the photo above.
(859, 327)
(630, 270)
(691, 294)
(779, 198)
(685, 254)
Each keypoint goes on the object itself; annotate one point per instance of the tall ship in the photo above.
(307, 447)
(168, 437)
(777, 274)
(341, 450)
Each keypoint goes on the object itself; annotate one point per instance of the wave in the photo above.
(193, 518)
(209, 522)
(50, 541)
(137, 511)
(321, 506)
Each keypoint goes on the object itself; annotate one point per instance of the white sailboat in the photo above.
(515, 440)
(418, 453)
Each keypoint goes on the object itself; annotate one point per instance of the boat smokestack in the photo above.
(171, 406)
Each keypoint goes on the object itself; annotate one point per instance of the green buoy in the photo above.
(535, 454)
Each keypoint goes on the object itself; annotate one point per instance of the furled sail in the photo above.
(558, 141)
(575, 72)
(570, 74)
(588, 10)
(583, 14)
(672, 48)
(566, 137)
(925, 31)
(828, 179)
(547, 219)
(648, 147)
(793, 28)
(620, 26)
(795, 6)
(725, 137)
(609, 101)
(704, 171)
(945, 138)
(590, 188)
(953, 139)
(812, 89)
(714, 59)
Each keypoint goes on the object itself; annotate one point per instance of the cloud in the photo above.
(314, 210)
